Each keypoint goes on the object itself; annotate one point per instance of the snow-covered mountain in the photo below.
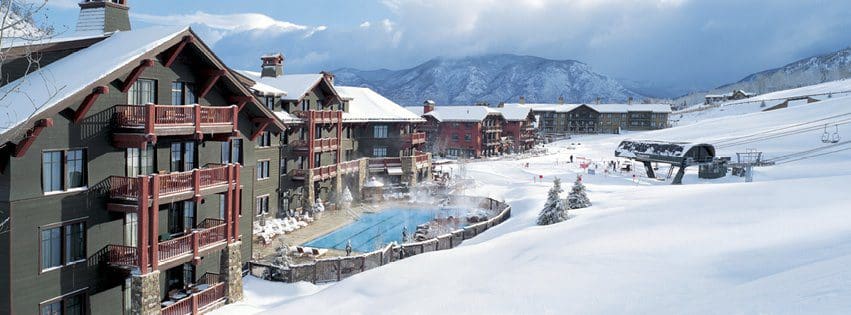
(809, 71)
(492, 79)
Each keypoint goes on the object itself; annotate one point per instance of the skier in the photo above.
(349, 248)
(571, 159)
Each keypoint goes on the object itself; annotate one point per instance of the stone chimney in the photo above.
(329, 76)
(103, 16)
(561, 100)
(522, 100)
(629, 100)
(428, 106)
(597, 100)
(273, 65)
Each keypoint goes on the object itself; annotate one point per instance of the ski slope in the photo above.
(780, 245)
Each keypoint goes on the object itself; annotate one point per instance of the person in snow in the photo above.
(349, 248)
(571, 158)
(404, 234)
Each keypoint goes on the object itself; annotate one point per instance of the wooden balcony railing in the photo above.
(422, 158)
(127, 188)
(321, 116)
(210, 232)
(319, 145)
(414, 138)
(213, 292)
(350, 166)
(492, 128)
(176, 119)
(319, 173)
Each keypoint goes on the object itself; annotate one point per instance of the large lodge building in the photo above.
(134, 163)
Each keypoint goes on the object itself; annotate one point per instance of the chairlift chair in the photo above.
(825, 137)
(835, 138)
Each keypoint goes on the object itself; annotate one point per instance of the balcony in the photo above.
(176, 120)
(492, 143)
(490, 129)
(422, 159)
(319, 173)
(350, 167)
(319, 145)
(208, 236)
(321, 116)
(173, 186)
(199, 298)
(414, 138)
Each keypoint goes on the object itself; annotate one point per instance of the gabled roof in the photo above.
(46, 87)
(366, 105)
(602, 108)
(45, 91)
(291, 87)
(462, 113)
(515, 112)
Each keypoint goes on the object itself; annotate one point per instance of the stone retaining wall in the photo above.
(339, 268)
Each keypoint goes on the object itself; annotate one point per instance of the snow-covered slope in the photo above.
(491, 78)
(818, 69)
(780, 245)
(823, 91)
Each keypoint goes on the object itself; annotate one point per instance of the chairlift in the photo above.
(835, 138)
(825, 137)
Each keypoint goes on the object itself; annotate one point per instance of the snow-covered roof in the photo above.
(602, 108)
(417, 110)
(17, 42)
(515, 112)
(664, 151)
(49, 85)
(462, 113)
(294, 86)
(367, 105)
(287, 118)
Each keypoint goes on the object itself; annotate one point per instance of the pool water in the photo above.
(375, 230)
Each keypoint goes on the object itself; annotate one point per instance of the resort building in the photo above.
(519, 129)
(567, 119)
(131, 189)
(463, 131)
(332, 135)
(715, 99)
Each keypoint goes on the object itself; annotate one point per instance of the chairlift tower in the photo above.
(749, 159)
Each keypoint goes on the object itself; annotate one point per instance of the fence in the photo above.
(339, 268)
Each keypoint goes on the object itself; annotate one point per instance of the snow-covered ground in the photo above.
(780, 245)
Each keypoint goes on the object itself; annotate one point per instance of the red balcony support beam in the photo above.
(155, 221)
(135, 74)
(235, 118)
(177, 50)
(22, 147)
(142, 250)
(240, 101)
(88, 102)
(214, 76)
(263, 123)
(150, 118)
(197, 113)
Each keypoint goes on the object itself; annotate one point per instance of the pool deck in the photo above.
(327, 223)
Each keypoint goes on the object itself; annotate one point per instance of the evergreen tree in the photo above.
(577, 198)
(554, 210)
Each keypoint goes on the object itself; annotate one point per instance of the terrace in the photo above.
(208, 236)
(414, 138)
(176, 120)
(319, 145)
(170, 187)
(321, 116)
(200, 297)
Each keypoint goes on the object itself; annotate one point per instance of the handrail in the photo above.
(151, 116)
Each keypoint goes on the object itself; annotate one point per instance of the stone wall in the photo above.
(232, 271)
(145, 294)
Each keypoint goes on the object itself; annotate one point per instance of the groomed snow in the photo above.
(780, 245)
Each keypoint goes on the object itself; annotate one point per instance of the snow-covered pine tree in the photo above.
(554, 210)
(577, 198)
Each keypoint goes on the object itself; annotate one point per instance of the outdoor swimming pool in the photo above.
(375, 230)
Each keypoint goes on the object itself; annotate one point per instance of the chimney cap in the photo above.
(428, 102)
(274, 58)
(88, 3)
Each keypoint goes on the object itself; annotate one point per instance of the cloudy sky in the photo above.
(675, 44)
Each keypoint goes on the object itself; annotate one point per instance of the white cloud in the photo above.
(387, 25)
(365, 24)
(63, 4)
(239, 22)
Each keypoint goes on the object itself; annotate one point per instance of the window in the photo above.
(262, 170)
(140, 161)
(379, 152)
(182, 156)
(265, 139)
(232, 151)
(454, 137)
(51, 171)
(305, 105)
(142, 92)
(283, 166)
(270, 102)
(182, 93)
(468, 137)
(69, 305)
(181, 217)
(262, 205)
(131, 229)
(380, 131)
(63, 170)
(62, 245)
(317, 159)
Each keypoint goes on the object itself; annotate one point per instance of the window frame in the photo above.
(137, 91)
(259, 201)
(380, 131)
(263, 167)
(64, 186)
(62, 300)
(63, 243)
